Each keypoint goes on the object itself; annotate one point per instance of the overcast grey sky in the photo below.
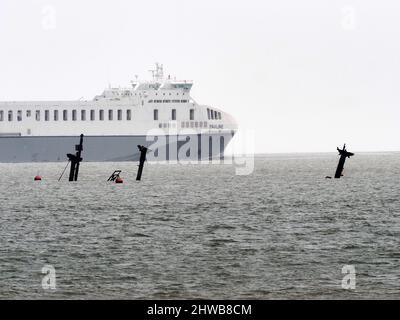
(306, 75)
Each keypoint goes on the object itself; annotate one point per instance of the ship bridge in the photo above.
(158, 84)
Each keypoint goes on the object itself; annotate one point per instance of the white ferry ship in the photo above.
(159, 114)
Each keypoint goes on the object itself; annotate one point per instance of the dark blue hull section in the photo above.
(113, 148)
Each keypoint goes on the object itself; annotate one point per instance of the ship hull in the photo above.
(19, 149)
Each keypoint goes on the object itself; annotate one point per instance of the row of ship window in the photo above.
(92, 115)
(129, 93)
(56, 115)
(213, 115)
(184, 124)
(168, 101)
(173, 114)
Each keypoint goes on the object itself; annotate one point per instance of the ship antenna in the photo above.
(158, 73)
(152, 73)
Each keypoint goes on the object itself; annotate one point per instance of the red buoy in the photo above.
(38, 178)
(119, 180)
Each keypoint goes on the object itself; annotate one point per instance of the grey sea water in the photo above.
(200, 231)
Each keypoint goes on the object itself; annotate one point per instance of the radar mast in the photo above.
(158, 72)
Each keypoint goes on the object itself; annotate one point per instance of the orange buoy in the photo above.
(119, 180)
(37, 178)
